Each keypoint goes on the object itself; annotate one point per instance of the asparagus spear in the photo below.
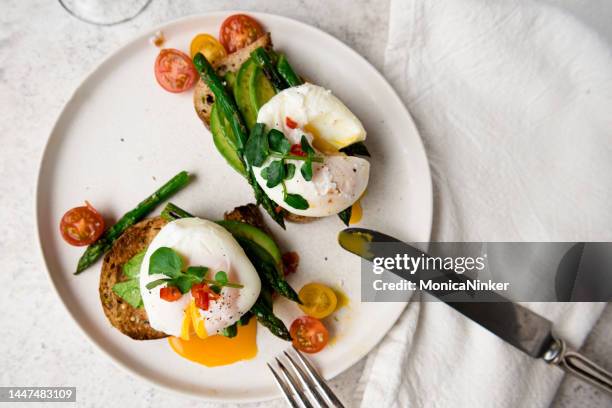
(226, 103)
(262, 58)
(102, 245)
(263, 312)
(286, 71)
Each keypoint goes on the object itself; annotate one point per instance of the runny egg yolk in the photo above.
(216, 350)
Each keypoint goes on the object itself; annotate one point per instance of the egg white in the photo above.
(200, 243)
(328, 125)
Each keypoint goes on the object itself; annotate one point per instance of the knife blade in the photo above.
(512, 322)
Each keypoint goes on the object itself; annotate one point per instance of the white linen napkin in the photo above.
(513, 100)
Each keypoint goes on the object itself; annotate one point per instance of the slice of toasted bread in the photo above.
(203, 98)
(132, 322)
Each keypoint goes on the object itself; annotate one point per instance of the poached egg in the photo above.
(340, 180)
(200, 243)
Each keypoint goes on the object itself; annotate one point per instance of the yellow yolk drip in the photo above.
(215, 350)
(356, 213)
(320, 143)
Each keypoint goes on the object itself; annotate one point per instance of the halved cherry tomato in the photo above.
(238, 31)
(209, 46)
(174, 70)
(170, 293)
(296, 150)
(82, 225)
(308, 334)
(291, 124)
(317, 300)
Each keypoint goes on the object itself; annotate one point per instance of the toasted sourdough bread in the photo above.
(203, 98)
(128, 320)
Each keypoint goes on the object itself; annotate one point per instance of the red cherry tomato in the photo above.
(82, 225)
(170, 293)
(238, 31)
(309, 334)
(174, 70)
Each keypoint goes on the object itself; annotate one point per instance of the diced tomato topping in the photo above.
(170, 293)
(296, 150)
(291, 124)
(203, 295)
(278, 209)
(291, 261)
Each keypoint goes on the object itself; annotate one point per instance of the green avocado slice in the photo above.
(260, 89)
(242, 95)
(221, 132)
(250, 233)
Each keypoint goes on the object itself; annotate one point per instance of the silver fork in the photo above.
(300, 382)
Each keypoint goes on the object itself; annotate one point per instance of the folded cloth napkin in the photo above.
(513, 100)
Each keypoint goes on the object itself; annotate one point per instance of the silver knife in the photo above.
(513, 323)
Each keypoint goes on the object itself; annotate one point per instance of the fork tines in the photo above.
(300, 382)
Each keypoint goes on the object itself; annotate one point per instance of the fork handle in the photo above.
(575, 363)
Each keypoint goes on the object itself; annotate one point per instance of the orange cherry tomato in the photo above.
(174, 70)
(309, 334)
(82, 225)
(238, 31)
(203, 295)
(170, 293)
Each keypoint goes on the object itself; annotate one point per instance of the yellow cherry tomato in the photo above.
(317, 300)
(209, 46)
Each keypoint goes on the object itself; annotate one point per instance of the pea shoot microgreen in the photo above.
(166, 261)
(261, 146)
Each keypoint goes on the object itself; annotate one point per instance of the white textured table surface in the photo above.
(44, 53)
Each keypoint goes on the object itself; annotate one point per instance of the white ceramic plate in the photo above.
(121, 136)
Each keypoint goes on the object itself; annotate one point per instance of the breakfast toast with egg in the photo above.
(131, 321)
(203, 98)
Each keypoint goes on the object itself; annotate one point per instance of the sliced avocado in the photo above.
(221, 132)
(260, 89)
(241, 92)
(230, 80)
(248, 232)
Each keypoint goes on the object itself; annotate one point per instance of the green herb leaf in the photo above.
(306, 170)
(345, 215)
(221, 278)
(129, 291)
(306, 148)
(131, 268)
(157, 282)
(289, 171)
(356, 149)
(257, 150)
(296, 201)
(165, 261)
(275, 173)
(197, 271)
(184, 282)
(278, 142)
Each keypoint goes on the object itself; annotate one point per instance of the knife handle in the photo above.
(575, 363)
